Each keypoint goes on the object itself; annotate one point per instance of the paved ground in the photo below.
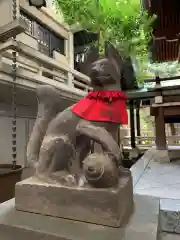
(160, 180)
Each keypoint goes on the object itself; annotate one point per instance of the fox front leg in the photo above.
(55, 160)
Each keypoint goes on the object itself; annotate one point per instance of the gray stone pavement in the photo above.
(161, 180)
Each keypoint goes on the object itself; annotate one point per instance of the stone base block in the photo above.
(170, 215)
(174, 154)
(161, 156)
(111, 207)
(134, 153)
(29, 226)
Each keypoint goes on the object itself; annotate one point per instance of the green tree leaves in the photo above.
(119, 21)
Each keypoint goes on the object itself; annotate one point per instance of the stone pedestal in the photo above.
(170, 215)
(29, 226)
(174, 153)
(111, 207)
(134, 153)
(161, 156)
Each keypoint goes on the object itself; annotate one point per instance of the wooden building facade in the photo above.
(166, 30)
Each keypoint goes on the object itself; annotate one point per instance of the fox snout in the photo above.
(97, 70)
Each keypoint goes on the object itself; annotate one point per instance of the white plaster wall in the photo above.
(25, 120)
(24, 128)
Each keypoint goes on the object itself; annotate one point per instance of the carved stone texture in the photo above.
(61, 141)
(111, 207)
(170, 221)
(100, 170)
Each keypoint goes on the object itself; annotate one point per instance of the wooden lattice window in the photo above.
(47, 39)
(29, 23)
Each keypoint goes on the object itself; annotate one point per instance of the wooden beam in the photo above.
(160, 129)
(138, 125)
(132, 124)
(167, 104)
(147, 93)
(179, 54)
(162, 79)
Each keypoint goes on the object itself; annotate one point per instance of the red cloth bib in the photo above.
(103, 106)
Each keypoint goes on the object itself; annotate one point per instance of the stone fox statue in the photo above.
(60, 142)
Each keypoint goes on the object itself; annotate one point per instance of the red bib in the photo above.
(103, 106)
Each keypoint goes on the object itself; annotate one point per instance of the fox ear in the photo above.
(91, 56)
(114, 57)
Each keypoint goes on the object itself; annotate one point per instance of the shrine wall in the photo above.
(26, 114)
(39, 67)
(25, 120)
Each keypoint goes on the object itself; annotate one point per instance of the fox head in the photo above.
(109, 71)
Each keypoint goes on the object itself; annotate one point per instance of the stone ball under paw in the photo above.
(100, 170)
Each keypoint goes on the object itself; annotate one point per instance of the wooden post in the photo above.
(160, 129)
(132, 125)
(173, 133)
(70, 54)
(119, 137)
(138, 126)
